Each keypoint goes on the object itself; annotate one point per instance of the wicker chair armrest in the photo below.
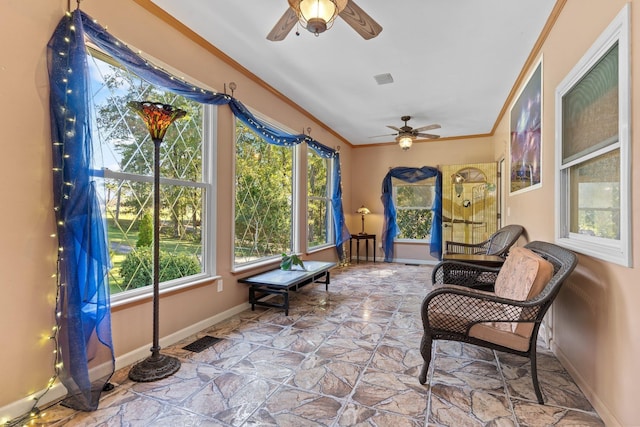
(477, 294)
(466, 248)
(464, 274)
(462, 308)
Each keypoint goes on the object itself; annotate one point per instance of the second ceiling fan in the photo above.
(406, 134)
(318, 15)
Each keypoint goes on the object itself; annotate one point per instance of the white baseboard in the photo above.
(142, 352)
(58, 391)
(598, 405)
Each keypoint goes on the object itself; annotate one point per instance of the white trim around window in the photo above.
(618, 250)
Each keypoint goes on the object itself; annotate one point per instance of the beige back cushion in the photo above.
(522, 277)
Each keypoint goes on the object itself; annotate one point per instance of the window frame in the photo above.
(328, 201)
(615, 251)
(295, 215)
(208, 239)
(430, 182)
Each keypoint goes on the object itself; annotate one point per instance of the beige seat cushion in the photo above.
(522, 277)
(490, 333)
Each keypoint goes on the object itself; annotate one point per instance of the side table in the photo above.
(366, 238)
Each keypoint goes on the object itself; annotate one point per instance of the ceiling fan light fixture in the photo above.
(405, 141)
(317, 16)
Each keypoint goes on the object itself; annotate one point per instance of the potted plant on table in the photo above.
(289, 261)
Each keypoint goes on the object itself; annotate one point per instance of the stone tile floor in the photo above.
(347, 357)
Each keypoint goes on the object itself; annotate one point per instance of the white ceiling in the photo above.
(453, 62)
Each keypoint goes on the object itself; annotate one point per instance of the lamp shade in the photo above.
(317, 15)
(405, 142)
(156, 116)
(363, 211)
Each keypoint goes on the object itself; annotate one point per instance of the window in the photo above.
(123, 150)
(263, 226)
(318, 200)
(413, 204)
(593, 191)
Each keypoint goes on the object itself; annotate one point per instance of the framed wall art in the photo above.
(525, 146)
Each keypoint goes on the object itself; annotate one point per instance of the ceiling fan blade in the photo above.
(360, 21)
(386, 134)
(283, 26)
(429, 127)
(427, 135)
(394, 128)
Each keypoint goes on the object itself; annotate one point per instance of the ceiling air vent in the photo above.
(383, 79)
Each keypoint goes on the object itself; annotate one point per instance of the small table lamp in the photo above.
(363, 211)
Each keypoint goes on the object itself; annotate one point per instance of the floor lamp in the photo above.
(157, 117)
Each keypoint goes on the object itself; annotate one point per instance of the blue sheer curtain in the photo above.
(340, 232)
(85, 339)
(390, 226)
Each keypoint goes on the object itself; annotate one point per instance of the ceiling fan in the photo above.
(406, 134)
(317, 16)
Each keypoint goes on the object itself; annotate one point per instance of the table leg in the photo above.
(366, 249)
(350, 251)
(374, 248)
(358, 251)
(252, 298)
(286, 303)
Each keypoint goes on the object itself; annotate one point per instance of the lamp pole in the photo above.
(155, 349)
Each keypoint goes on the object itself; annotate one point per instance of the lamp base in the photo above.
(154, 368)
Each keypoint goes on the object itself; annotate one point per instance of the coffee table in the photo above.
(279, 282)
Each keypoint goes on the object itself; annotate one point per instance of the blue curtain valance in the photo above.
(390, 227)
(159, 77)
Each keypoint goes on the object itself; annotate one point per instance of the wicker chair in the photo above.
(507, 320)
(497, 244)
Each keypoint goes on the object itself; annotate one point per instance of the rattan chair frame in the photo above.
(497, 244)
(492, 308)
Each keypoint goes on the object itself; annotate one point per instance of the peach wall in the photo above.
(28, 253)
(596, 316)
(371, 164)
